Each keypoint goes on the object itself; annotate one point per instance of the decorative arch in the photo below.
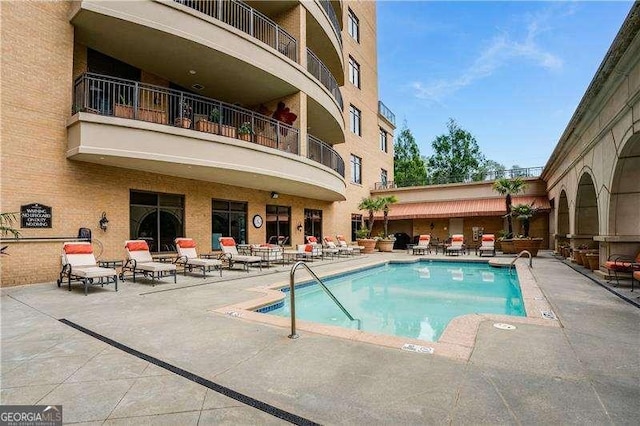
(586, 213)
(624, 202)
(563, 227)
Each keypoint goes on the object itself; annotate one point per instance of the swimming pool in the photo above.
(415, 300)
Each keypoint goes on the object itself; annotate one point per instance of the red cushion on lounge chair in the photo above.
(340, 238)
(308, 248)
(636, 275)
(312, 239)
(618, 266)
(227, 242)
(186, 243)
(78, 249)
(328, 238)
(137, 246)
(457, 239)
(488, 238)
(424, 238)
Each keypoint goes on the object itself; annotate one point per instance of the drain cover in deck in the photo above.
(503, 326)
(417, 348)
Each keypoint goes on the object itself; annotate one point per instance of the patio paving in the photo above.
(587, 371)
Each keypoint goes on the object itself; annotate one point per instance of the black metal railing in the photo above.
(487, 176)
(322, 73)
(322, 152)
(117, 97)
(333, 17)
(386, 112)
(248, 20)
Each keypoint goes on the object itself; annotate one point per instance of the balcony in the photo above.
(335, 22)
(386, 113)
(528, 172)
(323, 153)
(324, 76)
(133, 125)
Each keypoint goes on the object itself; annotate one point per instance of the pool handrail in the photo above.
(292, 287)
(523, 252)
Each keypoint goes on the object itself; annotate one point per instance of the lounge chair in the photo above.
(330, 247)
(228, 245)
(318, 249)
(268, 253)
(139, 261)
(79, 264)
(487, 245)
(621, 263)
(456, 246)
(424, 245)
(188, 257)
(308, 251)
(635, 277)
(343, 243)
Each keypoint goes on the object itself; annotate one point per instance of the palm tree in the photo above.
(524, 213)
(507, 187)
(371, 205)
(6, 227)
(386, 202)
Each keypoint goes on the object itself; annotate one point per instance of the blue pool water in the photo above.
(411, 300)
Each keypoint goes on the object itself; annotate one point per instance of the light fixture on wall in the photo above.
(432, 226)
(274, 195)
(299, 227)
(104, 222)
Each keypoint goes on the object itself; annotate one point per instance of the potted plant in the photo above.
(245, 130)
(371, 205)
(524, 213)
(211, 124)
(123, 108)
(184, 120)
(508, 187)
(385, 243)
(363, 240)
(7, 221)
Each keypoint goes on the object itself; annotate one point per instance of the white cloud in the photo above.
(499, 52)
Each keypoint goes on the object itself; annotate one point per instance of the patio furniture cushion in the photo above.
(78, 248)
(93, 272)
(137, 245)
(185, 243)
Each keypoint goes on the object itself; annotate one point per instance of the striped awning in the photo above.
(461, 208)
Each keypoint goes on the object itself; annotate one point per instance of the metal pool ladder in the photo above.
(519, 256)
(292, 287)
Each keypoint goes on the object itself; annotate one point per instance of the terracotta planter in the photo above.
(123, 111)
(507, 246)
(385, 245)
(152, 115)
(593, 260)
(369, 244)
(207, 126)
(265, 141)
(532, 245)
(228, 131)
(245, 136)
(583, 258)
(185, 123)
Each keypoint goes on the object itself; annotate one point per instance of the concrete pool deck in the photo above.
(587, 370)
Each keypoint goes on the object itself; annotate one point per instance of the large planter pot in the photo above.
(207, 126)
(577, 257)
(385, 245)
(507, 246)
(532, 245)
(593, 260)
(369, 244)
(185, 123)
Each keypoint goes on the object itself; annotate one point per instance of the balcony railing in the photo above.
(111, 96)
(322, 73)
(386, 113)
(326, 5)
(248, 20)
(323, 153)
(488, 176)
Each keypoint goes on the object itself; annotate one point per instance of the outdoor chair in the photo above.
(268, 253)
(309, 251)
(457, 242)
(635, 276)
(318, 250)
(330, 247)
(343, 243)
(189, 259)
(79, 264)
(139, 261)
(424, 245)
(228, 245)
(487, 245)
(621, 263)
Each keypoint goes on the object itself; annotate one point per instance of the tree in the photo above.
(409, 167)
(371, 205)
(385, 202)
(456, 158)
(524, 213)
(491, 170)
(6, 227)
(507, 187)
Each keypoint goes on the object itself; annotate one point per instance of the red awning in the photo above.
(460, 208)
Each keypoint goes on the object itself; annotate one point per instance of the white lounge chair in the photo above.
(343, 243)
(139, 261)
(318, 249)
(488, 245)
(424, 245)
(228, 245)
(268, 253)
(188, 257)
(79, 264)
(330, 247)
(456, 246)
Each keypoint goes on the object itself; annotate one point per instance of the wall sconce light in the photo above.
(274, 195)
(104, 222)
(299, 227)
(432, 226)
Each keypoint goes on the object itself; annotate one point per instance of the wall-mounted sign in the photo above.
(35, 216)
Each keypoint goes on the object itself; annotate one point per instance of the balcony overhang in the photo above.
(185, 153)
(169, 39)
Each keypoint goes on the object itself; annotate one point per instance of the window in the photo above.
(156, 218)
(354, 120)
(278, 223)
(383, 178)
(313, 223)
(356, 169)
(353, 26)
(354, 72)
(229, 219)
(383, 140)
(356, 223)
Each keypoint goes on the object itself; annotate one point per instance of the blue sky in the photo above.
(511, 73)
